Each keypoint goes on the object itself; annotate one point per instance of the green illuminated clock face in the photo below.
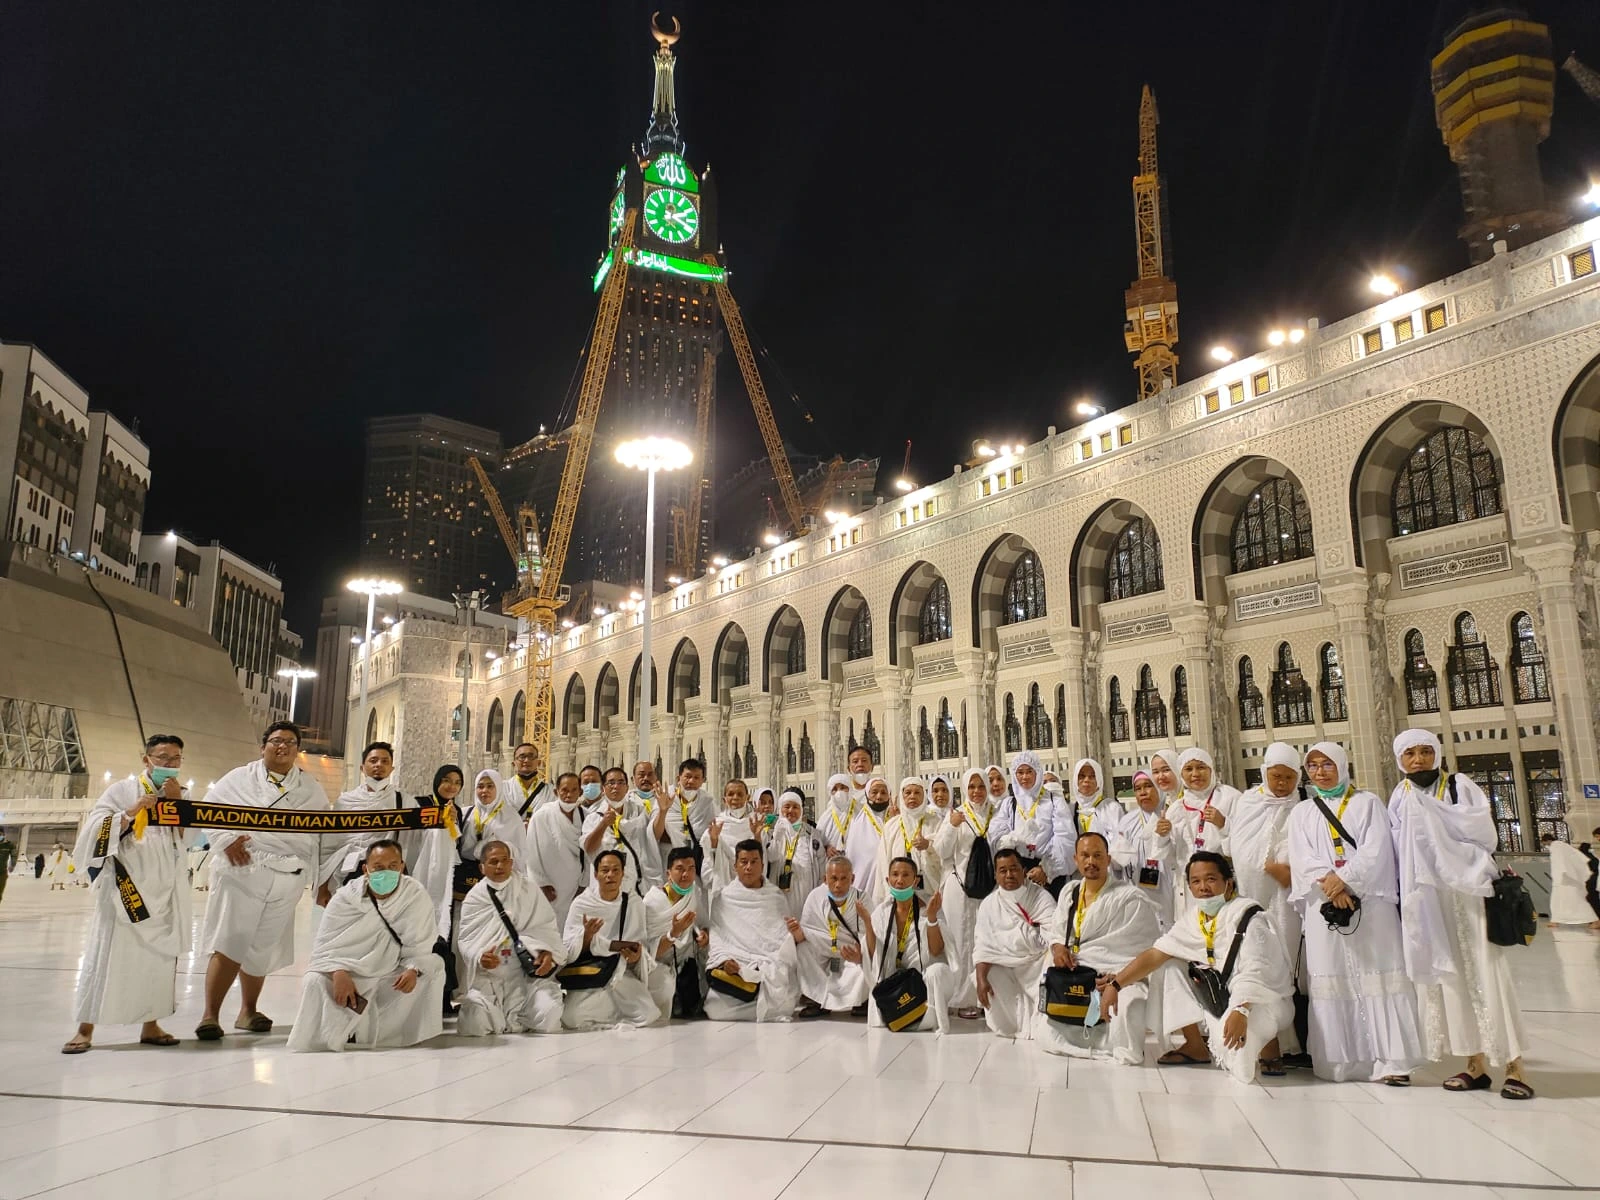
(616, 215)
(671, 216)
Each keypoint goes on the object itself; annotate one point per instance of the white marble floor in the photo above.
(815, 1111)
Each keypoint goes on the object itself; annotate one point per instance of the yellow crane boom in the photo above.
(1150, 327)
(508, 532)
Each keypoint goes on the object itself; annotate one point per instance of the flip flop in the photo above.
(77, 1047)
(1397, 1081)
(1462, 1082)
(258, 1023)
(1271, 1068)
(208, 1031)
(1516, 1089)
(1177, 1058)
(970, 1014)
(166, 1039)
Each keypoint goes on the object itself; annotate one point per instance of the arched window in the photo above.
(457, 735)
(1149, 713)
(1274, 526)
(739, 665)
(519, 716)
(1252, 711)
(949, 738)
(808, 756)
(494, 741)
(1530, 678)
(858, 643)
(1180, 702)
(933, 623)
(1013, 727)
(1117, 711)
(751, 767)
(1422, 682)
(1024, 594)
(1061, 714)
(869, 739)
(1473, 676)
(1450, 477)
(1036, 722)
(850, 735)
(738, 763)
(789, 760)
(1332, 684)
(372, 726)
(795, 657)
(1291, 694)
(1135, 565)
(924, 738)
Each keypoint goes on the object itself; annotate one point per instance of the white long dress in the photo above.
(1119, 925)
(1571, 869)
(1465, 989)
(1010, 937)
(959, 912)
(936, 974)
(1136, 847)
(1363, 1022)
(797, 850)
(1257, 833)
(503, 999)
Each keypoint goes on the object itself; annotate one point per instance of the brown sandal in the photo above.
(77, 1045)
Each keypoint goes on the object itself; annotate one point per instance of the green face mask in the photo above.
(681, 891)
(382, 883)
(902, 894)
(160, 775)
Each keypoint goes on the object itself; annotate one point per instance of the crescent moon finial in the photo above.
(661, 35)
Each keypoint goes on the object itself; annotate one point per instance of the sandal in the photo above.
(258, 1023)
(77, 1045)
(809, 1011)
(970, 1014)
(1462, 1082)
(208, 1031)
(165, 1039)
(1177, 1058)
(1396, 1081)
(1272, 1068)
(1516, 1089)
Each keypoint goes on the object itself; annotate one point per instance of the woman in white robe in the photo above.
(795, 855)
(1036, 824)
(373, 946)
(1164, 771)
(834, 953)
(497, 996)
(1143, 851)
(909, 936)
(1363, 1022)
(1093, 810)
(1573, 897)
(1259, 990)
(968, 821)
(837, 813)
(909, 834)
(1445, 838)
(1198, 814)
(606, 919)
(492, 817)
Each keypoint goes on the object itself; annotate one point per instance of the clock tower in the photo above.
(668, 335)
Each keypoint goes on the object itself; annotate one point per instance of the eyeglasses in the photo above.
(165, 760)
(281, 742)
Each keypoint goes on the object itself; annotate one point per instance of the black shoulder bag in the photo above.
(1336, 917)
(525, 958)
(902, 997)
(1209, 985)
(1065, 992)
(589, 970)
(978, 881)
(1509, 912)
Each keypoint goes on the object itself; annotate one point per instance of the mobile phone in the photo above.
(358, 1004)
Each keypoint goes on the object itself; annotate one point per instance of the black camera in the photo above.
(1340, 918)
(526, 960)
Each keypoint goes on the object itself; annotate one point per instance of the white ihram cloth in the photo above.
(826, 935)
(1465, 991)
(496, 821)
(663, 907)
(936, 974)
(626, 999)
(129, 967)
(958, 916)
(503, 999)
(1010, 937)
(58, 866)
(732, 826)
(353, 938)
(556, 857)
(805, 867)
(686, 820)
(530, 796)
(900, 834)
(641, 862)
(1119, 925)
(1257, 833)
(834, 820)
(250, 915)
(1136, 845)
(861, 848)
(430, 854)
(1363, 1021)
(1260, 978)
(1569, 883)
(748, 926)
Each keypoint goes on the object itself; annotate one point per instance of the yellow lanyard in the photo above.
(1084, 900)
(1086, 816)
(833, 927)
(966, 806)
(479, 821)
(1338, 842)
(616, 827)
(1208, 930)
(903, 941)
(849, 816)
(1028, 816)
(866, 811)
(277, 782)
(794, 844)
(907, 836)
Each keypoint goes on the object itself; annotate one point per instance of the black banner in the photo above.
(128, 893)
(195, 814)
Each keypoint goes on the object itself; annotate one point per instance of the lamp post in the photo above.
(294, 675)
(371, 589)
(650, 454)
(467, 606)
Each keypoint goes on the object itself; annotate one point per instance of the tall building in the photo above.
(423, 518)
(78, 477)
(670, 333)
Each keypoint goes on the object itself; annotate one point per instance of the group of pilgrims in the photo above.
(1302, 923)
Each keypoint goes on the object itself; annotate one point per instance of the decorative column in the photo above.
(1569, 652)
(761, 711)
(1192, 629)
(1076, 735)
(1368, 683)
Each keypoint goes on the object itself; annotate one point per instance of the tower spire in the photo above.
(1151, 303)
(663, 131)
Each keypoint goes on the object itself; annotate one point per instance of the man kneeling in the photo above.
(374, 979)
(1101, 924)
(507, 929)
(1008, 948)
(753, 969)
(834, 943)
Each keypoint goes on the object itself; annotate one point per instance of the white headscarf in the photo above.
(907, 782)
(1099, 783)
(834, 783)
(795, 792)
(1169, 756)
(1003, 775)
(499, 787)
(1195, 754)
(1335, 754)
(1407, 738)
(1281, 754)
(983, 778)
(931, 800)
(872, 779)
(1027, 759)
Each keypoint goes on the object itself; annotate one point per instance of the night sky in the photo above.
(250, 227)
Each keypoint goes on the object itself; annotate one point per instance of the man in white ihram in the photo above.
(256, 881)
(373, 978)
(1008, 947)
(751, 943)
(503, 909)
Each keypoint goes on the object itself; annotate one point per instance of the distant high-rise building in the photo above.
(424, 521)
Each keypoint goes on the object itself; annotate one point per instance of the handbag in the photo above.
(978, 881)
(1065, 992)
(464, 877)
(525, 958)
(686, 992)
(590, 971)
(735, 987)
(902, 996)
(1209, 985)
(1509, 912)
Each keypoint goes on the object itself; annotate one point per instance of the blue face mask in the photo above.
(160, 775)
(591, 791)
(382, 883)
(838, 897)
(902, 894)
(647, 795)
(1211, 905)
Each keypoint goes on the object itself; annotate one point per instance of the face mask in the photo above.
(647, 795)
(797, 823)
(591, 792)
(878, 808)
(1053, 789)
(1331, 793)
(680, 891)
(567, 808)
(902, 894)
(1424, 779)
(841, 798)
(160, 775)
(381, 883)
(861, 778)
(771, 819)
(838, 897)
(1211, 905)
(687, 793)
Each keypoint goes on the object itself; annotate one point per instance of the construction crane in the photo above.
(522, 539)
(1151, 327)
(1584, 76)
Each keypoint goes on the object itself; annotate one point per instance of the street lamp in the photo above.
(1087, 408)
(650, 454)
(1221, 354)
(1384, 284)
(294, 675)
(371, 589)
(1592, 196)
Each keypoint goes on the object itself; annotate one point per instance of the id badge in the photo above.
(1338, 862)
(835, 966)
(1150, 873)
